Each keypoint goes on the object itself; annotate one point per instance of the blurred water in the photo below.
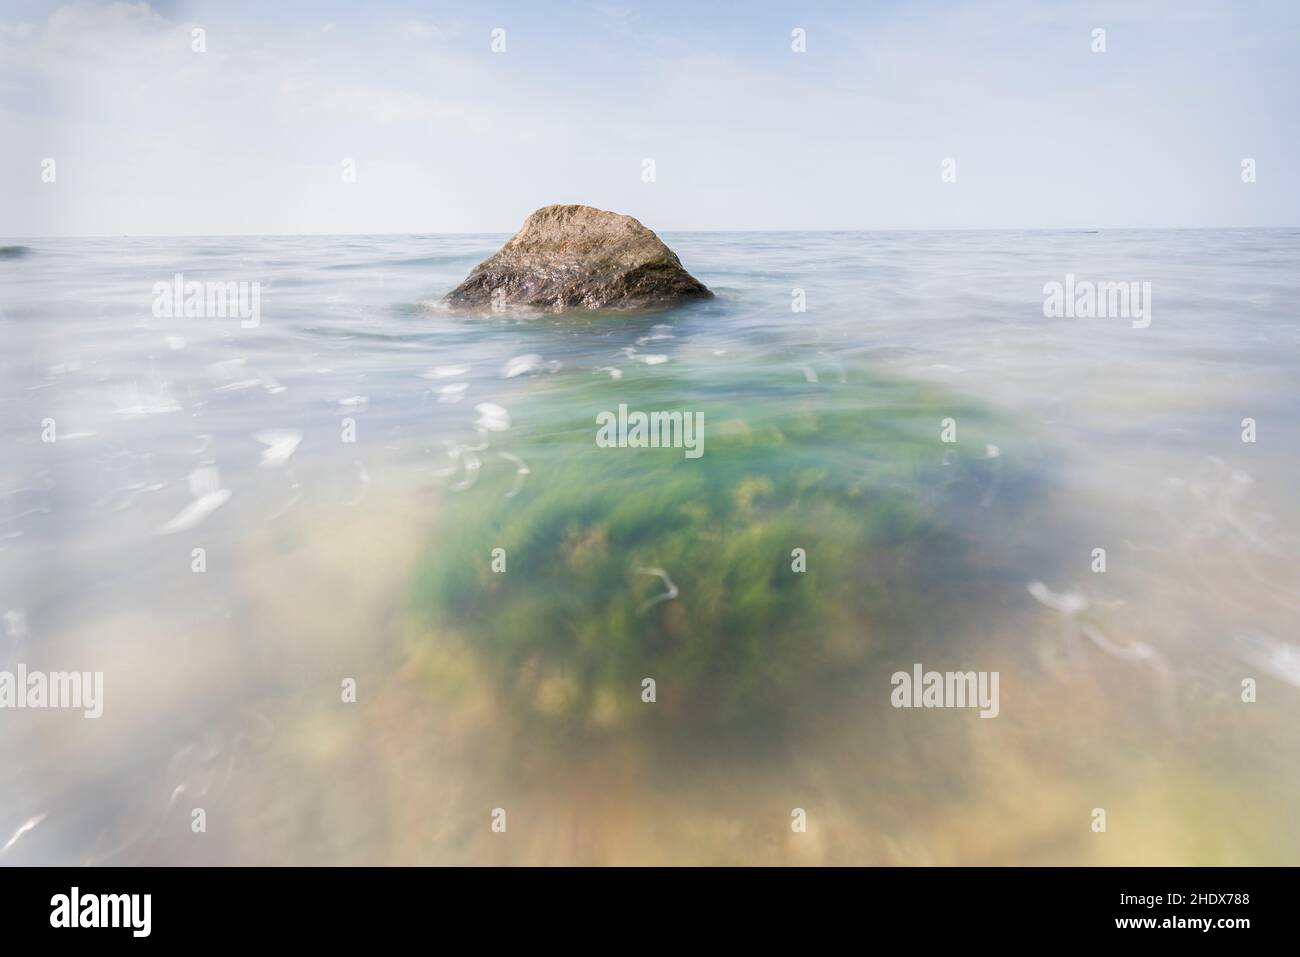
(222, 688)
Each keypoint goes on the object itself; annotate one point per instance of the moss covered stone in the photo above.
(853, 473)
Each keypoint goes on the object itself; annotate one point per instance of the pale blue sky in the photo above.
(150, 137)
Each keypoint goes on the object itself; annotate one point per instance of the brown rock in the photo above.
(577, 257)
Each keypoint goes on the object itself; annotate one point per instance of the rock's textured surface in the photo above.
(577, 257)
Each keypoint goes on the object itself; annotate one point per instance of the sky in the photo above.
(254, 134)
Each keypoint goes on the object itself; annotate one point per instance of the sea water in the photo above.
(252, 529)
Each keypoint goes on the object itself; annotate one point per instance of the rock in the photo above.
(577, 257)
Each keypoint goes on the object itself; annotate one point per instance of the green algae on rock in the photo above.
(622, 564)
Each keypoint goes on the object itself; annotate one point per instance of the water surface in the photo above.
(357, 430)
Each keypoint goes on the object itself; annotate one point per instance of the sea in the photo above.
(272, 533)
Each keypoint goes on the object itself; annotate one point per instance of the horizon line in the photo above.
(497, 232)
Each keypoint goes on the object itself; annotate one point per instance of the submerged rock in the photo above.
(577, 257)
(807, 543)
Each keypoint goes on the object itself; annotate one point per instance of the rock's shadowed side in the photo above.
(577, 257)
